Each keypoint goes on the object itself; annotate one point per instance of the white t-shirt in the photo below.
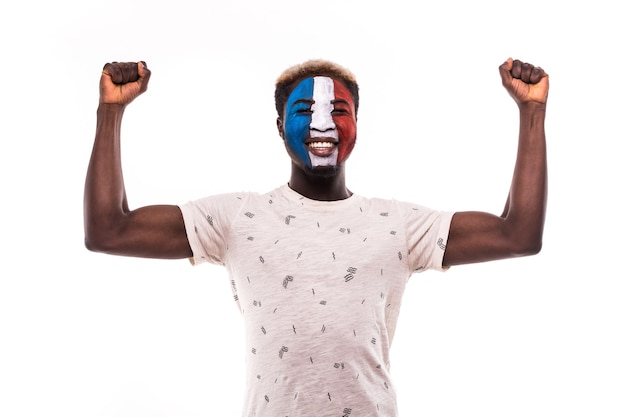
(319, 285)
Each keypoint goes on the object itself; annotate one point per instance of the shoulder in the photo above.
(392, 204)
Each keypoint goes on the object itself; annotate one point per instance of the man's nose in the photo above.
(323, 128)
(322, 122)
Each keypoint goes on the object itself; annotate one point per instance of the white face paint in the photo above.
(322, 124)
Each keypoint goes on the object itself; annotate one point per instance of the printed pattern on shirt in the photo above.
(319, 287)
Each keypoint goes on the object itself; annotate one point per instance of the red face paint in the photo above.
(345, 120)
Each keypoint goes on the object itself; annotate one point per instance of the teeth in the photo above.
(321, 144)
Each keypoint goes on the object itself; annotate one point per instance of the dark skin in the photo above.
(158, 231)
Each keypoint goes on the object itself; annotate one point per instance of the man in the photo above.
(317, 272)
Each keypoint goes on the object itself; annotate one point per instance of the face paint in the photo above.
(320, 125)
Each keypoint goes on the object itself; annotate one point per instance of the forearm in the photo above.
(526, 205)
(105, 197)
(477, 236)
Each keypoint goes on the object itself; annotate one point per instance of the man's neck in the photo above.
(322, 188)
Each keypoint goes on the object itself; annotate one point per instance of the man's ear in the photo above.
(279, 125)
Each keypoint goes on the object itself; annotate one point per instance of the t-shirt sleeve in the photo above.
(427, 235)
(208, 222)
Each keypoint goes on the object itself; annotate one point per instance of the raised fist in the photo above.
(524, 82)
(122, 82)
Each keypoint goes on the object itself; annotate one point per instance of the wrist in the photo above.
(109, 115)
(110, 111)
(532, 107)
(111, 107)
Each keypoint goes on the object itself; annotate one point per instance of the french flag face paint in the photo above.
(320, 122)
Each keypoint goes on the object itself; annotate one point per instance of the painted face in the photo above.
(320, 122)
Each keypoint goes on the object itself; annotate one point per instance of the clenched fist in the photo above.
(122, 82)
(524, 82)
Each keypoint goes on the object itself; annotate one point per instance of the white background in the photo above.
(90, 335)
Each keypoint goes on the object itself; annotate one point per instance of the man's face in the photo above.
(320, 123)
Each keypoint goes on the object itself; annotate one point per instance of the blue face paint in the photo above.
(298, 119)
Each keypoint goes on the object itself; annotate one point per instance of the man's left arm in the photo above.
(479, 237)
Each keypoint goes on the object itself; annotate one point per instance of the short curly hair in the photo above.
(311, 68)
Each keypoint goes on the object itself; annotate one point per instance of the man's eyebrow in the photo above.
(340, 100)
(303, 100)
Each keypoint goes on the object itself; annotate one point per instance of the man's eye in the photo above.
(304, 111)
(340, 111)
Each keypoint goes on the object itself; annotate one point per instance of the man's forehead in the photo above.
(306, 86)
(307, 80)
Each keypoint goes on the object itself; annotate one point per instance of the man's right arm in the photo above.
(110, 227)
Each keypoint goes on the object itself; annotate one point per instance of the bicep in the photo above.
(477, 237)
(149, 232)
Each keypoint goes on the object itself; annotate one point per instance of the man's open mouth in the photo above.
(322, 148)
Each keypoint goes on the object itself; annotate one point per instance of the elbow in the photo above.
(101, 240)
(95, 243)
(104, 233)
(93, 239)
(533, 249)
(528, 247)
(92, 244)
(524, 238)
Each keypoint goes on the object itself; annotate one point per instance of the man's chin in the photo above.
(325, 171)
